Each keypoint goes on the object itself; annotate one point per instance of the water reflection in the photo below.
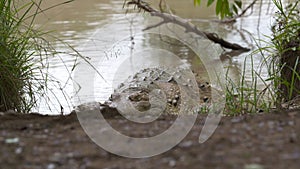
(92, 27)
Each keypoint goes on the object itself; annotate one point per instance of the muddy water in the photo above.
(112, 40)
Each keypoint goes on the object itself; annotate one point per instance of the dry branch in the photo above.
(189, 27)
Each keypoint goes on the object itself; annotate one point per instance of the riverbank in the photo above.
(261, 141)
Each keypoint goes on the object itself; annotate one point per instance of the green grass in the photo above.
(248, 96)
(281, 60)
(286, 43)
(24, 56)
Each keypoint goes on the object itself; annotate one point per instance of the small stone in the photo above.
(169, 100)
(233, 131)
(233, 140)
(271, 124)
(159, 92)
(176, 96)
(12, 140)
(261, 124)
(172, 163)
(51, 166)
(18, 150)
(253, 166)
(56, 157)
(174, 102)
(236, 119)
(279, 128)
(291, 156)
(186, 144)
(291, 123)
(293, 138)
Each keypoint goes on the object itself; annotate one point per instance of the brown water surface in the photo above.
(101, 31)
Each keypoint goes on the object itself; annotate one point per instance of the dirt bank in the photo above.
(265, 141)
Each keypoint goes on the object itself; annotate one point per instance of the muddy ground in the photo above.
(263, 141)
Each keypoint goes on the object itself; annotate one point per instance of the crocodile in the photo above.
(154, 91)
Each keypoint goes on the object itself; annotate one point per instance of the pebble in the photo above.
(186, 144)
(159, 92)
(247, 127)
(233, 131)
(293, 137)
(174, 102)
(234, 140)
(18, 150)
(51, 166)
(271, 124)
(253, 166)
(261, 124)
(291, 156)
(56, 157)
(172, 163)
(236, 119)
(176, 97)
(291, 123)
(12, 140)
